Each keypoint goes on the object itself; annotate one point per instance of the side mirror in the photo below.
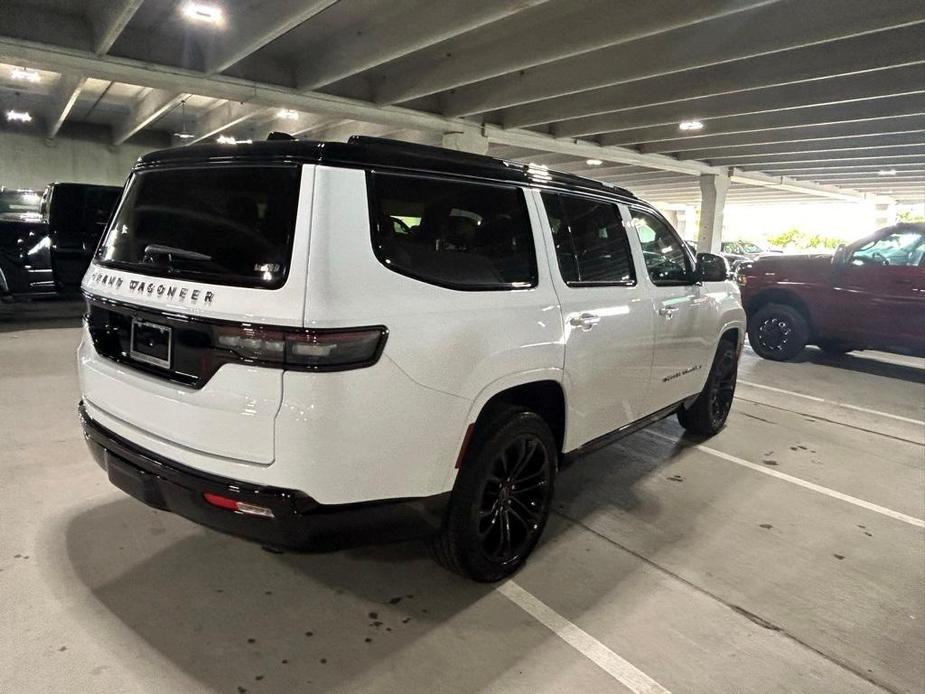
(840, 257)
(711, 268)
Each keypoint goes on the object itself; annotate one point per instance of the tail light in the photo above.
(314, 349)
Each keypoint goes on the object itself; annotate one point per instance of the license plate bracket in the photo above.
(151, 343)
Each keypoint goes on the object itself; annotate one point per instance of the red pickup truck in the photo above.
(868, 295)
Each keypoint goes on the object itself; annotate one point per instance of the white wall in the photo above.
(78, 155)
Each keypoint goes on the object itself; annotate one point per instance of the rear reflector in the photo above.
(237, 506)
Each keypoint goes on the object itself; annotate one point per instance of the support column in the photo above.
(884, 214)
(713, 189)
(466, 141)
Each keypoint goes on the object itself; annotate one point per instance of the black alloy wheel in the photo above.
(502, 496)
(774, 333)
(722, 387)
(513, 499)
(707, 415)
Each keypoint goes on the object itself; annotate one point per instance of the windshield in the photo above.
(20, 205)
(750, 247)
(229, 225)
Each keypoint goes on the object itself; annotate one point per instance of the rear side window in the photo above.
(228, 225)
(455, 234)
(591, 243)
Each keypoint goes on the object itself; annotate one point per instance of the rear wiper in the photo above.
(156, 249)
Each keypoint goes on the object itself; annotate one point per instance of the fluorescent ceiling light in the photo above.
(24, 74)
(690, 125)
(184, 136)
(287, 114)
(593, 162)
(199, 12)
(886, 172)
(21, 116)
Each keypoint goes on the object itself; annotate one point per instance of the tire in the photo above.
(778, 332)
(491, 526)
(707, 415)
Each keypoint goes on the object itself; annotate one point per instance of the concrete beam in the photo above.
(109, 23)
(383, 36)
(466, 140)
(866, 85)
(886, 154)
(67, 90)
(272, 96)
(266, 22)
(810, 133)
(154, 105)
(811, 168)
(866, 143)
(490, 52)
(827, 114)
(776, 26)
(890, 48)
(224, 117)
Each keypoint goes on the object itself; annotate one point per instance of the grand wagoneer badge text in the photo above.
(153, 289)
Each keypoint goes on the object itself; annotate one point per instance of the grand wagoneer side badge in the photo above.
(157, 289)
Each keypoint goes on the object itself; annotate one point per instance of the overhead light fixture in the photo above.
(287, 114)
(183, 134)
(593, 162)
(690, 125)
(21, 116)
(200, 12)
(24, 74)
(886, 172)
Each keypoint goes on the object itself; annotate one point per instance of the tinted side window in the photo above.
(663, 250)
(591, 244)
(452, 233)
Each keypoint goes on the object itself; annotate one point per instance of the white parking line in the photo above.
(833, 402)
(621, 670)
(911, 520)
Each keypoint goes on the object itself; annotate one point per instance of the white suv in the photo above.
(310, 343)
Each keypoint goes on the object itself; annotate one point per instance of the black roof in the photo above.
(375, 152)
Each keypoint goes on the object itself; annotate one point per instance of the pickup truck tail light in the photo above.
(313, 349)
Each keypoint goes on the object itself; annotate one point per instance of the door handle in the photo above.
(585, 321)
(667, 311)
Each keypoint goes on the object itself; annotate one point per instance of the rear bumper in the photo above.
(298, 522)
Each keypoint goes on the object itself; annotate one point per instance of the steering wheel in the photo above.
(879, 258)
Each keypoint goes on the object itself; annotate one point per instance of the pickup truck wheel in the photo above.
(778, 332)
(500, 503)
(707, 415)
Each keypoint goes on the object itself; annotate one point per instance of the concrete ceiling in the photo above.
(797, 97)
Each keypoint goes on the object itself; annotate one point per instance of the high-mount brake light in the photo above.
(310, 349)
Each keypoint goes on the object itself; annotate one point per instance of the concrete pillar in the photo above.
(713, 189)
(884, 214)
(672, 217)
(468, 140)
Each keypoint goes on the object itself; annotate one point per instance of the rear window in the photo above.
(222, 225)
(456, 234)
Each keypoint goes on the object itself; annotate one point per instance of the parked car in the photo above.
(47, 241)
(868, 295)
(746, 249)
(733, 259)
(455, 328)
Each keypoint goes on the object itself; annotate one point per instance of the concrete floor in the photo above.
(705, 574)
